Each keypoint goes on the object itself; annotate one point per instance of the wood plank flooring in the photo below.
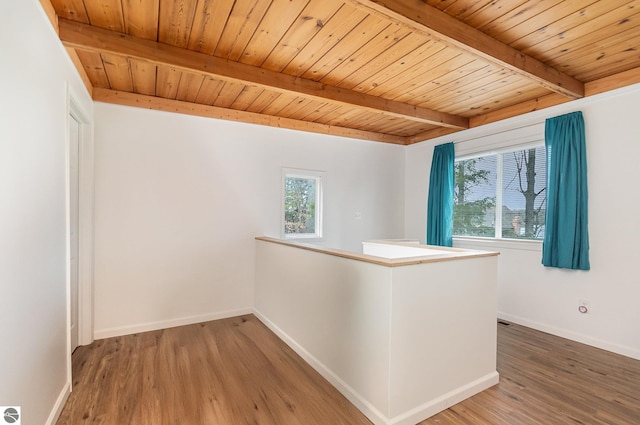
(235, 371)
(549, 380)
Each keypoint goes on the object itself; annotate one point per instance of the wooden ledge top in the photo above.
(452, 254)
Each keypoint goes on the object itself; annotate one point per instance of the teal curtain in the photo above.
(440, 201)
(566, 239)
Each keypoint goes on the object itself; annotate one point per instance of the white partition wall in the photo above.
(334, 312)
(401, 343)
(443, 335)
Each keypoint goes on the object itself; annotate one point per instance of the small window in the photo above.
(302, 194)
(501, 195)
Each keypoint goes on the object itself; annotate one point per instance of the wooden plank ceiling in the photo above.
(399, 71)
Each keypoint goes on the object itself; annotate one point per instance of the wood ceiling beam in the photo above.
(423, 18)
(98, 40)
(177, 106)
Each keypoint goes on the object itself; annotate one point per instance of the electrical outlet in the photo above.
(583, 306)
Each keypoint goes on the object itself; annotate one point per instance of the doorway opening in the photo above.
(79, 227)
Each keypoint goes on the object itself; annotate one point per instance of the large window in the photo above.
(501, 195)
(302, 194)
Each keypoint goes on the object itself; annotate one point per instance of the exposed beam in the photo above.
(98, 40)
(421, 17)
(177, 106)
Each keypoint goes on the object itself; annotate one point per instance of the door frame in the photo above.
(85, 221)
(73, 167)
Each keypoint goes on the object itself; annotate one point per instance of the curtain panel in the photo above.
(566, 239)
(440, 199)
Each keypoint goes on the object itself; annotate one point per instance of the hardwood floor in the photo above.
(232, 371)
(545, 379)
(236, 372)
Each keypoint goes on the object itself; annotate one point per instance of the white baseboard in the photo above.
(411, 417)
(59, 405)
(447, 400)
(164, 324)
(361, 404)
(574, 336)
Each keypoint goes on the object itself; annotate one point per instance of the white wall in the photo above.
(179, 200)
(34, 73)
(547, 298)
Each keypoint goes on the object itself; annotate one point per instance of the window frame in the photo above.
(319, 178)
(532, 244)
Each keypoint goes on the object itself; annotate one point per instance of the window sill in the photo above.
(497, 244)
(303, 238)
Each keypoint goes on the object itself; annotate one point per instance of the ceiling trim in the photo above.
(98, 40)
(428, 135)
(73, 55)
(177, 106)
(421, 17)
(592, 88)
(536, 104)
(50, 11)
(612, 82)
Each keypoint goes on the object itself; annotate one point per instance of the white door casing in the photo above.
(74, 144)
(80, 178)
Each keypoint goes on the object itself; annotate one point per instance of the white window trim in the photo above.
(535, 143)
(500, 141)
(319, 177)
(498, 209)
